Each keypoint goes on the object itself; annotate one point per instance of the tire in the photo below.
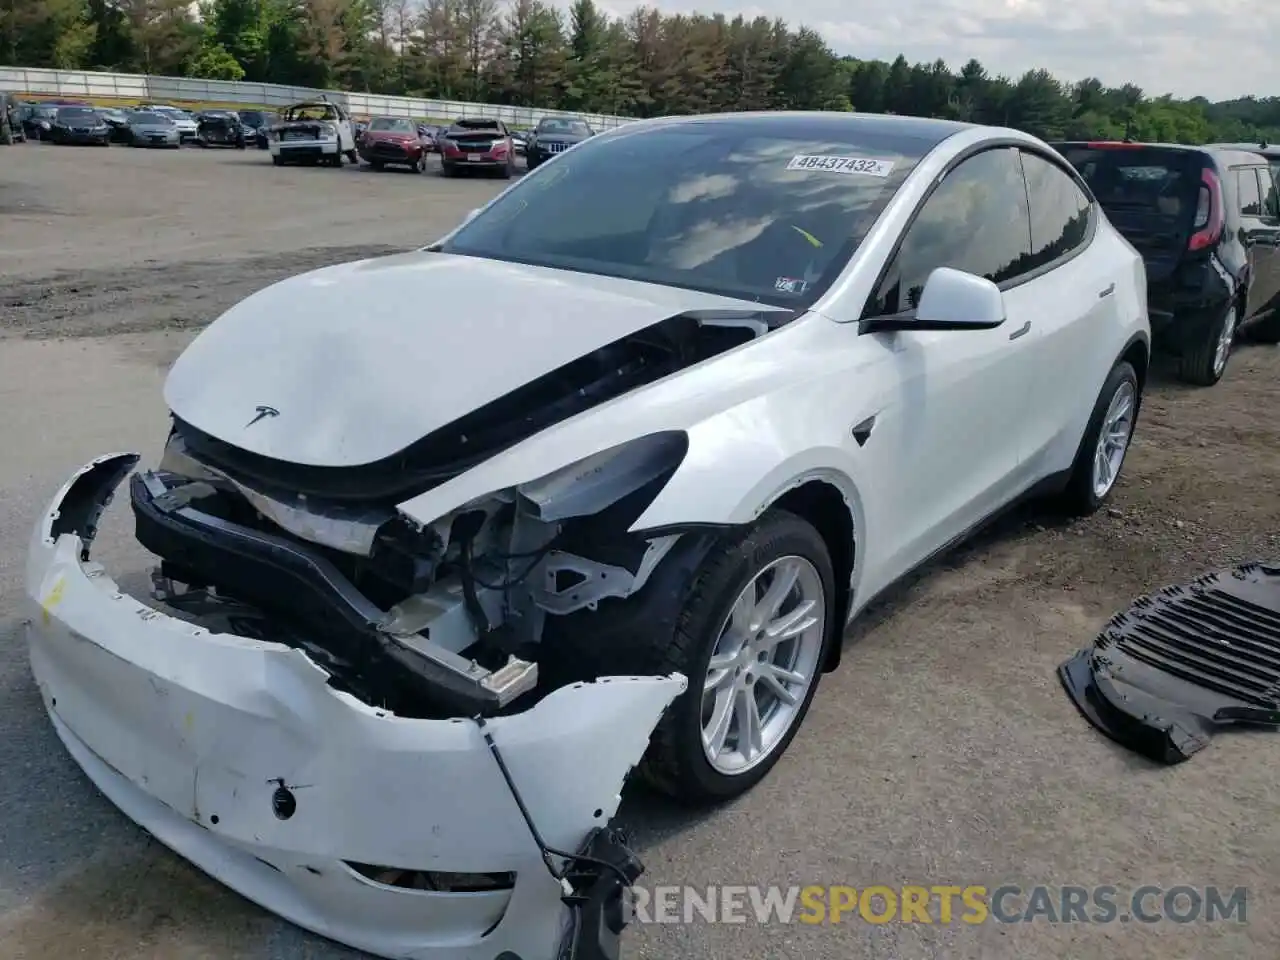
(1085, 492)
(277, 161)
(375, 165)
(421, 165)
(509, 170)
(447, 170)
(676, 762)
(335, 161)
(353, 156)
(1201, 365)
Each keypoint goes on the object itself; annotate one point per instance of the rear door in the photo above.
(1260, 226)
(1075, 273)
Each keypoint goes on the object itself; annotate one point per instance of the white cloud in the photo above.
(1220, 50)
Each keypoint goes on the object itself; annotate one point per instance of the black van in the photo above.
(1207, 223)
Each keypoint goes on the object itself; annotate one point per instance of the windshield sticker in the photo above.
(863, 165)
(790, 285)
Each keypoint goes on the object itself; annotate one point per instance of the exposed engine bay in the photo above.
(445, 619)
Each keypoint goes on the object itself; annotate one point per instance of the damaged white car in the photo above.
(432, 582)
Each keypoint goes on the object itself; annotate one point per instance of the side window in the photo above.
(1059, 211)
(1250, 198)
(976, 220)
(1270, 195)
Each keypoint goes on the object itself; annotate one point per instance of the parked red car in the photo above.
(477, 145)
(392, 140)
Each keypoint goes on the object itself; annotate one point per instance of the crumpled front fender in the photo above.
(238, 755)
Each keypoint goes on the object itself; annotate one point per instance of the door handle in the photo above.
(1107, 292)
(1022, 331)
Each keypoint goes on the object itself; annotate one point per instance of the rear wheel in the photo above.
(1204, 363)
(1105, 443)
(353, 157)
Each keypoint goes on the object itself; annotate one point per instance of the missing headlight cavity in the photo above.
(407, 879)
(1179, 664)
(440, 620)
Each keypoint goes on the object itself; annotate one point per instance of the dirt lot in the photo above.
(943, 752)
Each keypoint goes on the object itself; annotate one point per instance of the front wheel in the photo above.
(277, 161)
(751, 636)
(1105, 443)
(420, 165)
(1204, 363)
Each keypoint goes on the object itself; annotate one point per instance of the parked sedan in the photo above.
(79, 126)
(393, 141)
(37, 120)
(552, 136)
(254, 122)
(220, 128)
(147, 129)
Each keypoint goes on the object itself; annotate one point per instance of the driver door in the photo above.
(950, 419)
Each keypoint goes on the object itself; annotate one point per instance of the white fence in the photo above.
(71, 84)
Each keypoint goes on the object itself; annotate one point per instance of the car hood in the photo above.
(358, 361)
(391, 135)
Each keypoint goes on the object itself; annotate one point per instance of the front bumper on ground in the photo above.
(236, 754)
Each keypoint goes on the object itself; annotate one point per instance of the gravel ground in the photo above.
(943, 752)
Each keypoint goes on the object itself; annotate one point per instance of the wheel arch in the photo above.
(828, 509)
(1137, 353)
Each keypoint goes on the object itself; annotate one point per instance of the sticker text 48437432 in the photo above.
(828, 164)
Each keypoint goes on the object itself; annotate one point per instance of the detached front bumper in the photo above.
(236, 754)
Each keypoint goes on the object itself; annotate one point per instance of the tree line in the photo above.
(530, 53)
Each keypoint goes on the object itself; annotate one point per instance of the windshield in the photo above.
(769, 212)
(476, 125)
(573, 128)
(142, 118)
(393, 124)
(311, 111)
(77, 115)
(255, 117)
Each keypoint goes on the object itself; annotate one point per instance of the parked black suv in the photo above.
(1207, 223)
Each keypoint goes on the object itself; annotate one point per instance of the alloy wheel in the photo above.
(766, 658)
(1225, 340)
(1113, 438)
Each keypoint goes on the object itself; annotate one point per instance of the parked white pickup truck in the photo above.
(316, 131)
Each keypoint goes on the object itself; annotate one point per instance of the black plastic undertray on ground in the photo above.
(1178, 664)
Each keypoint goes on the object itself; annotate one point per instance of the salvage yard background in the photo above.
(943, 752)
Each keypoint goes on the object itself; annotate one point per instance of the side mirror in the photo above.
(951, 300)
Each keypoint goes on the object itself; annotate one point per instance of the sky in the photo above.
(1220, 49)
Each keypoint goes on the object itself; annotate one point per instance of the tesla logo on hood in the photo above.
(261, 412)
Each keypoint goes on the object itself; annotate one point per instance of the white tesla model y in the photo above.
(689, 396)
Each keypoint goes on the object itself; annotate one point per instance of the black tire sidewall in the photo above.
(723, 577)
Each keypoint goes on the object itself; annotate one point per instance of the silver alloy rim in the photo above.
(1225, 339)
(1113, 441)
(764, 662)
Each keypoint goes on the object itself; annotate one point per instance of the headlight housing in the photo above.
(593, 483)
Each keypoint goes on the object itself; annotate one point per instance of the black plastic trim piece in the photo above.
(1177, 665)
